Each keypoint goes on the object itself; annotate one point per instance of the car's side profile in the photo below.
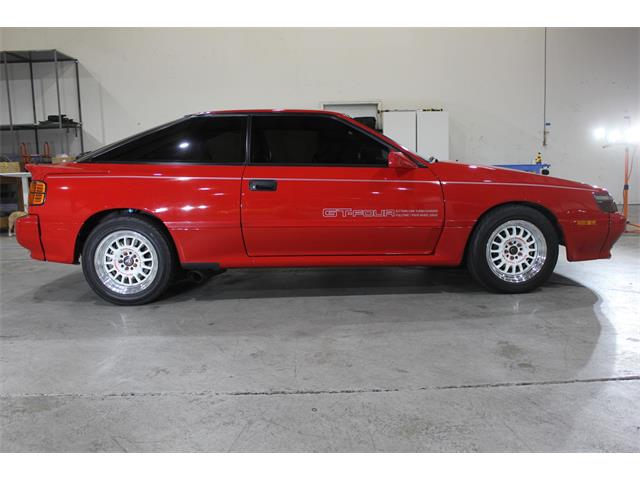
(300, 188)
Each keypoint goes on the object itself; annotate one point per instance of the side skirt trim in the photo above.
(201, 266)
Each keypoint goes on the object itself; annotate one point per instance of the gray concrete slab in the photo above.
(398, 359)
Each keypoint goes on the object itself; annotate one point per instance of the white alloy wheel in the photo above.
(516, 251)
(126, 262)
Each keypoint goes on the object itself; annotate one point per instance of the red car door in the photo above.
(317, 185)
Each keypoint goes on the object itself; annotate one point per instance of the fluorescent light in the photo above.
(183, 145)
(599, 133)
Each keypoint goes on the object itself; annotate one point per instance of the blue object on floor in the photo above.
(539, 168)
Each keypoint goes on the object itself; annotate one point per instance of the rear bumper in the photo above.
(28, 235)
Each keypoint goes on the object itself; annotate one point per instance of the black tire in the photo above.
(151, 237)
(483, 263)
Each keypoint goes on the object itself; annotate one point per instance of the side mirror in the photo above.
(400, 161)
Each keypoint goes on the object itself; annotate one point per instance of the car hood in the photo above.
(468, 173)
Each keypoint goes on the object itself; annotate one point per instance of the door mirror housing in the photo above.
(400, 161)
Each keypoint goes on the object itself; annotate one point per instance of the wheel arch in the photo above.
(536, 206)
(91, 222)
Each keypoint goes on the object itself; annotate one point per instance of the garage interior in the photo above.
(335, 359)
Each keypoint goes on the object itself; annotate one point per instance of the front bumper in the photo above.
(591, 237)
(28, 235)
(617, 225)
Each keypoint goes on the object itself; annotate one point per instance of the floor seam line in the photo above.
(212, 393)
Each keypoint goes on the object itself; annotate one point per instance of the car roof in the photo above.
(266, 110)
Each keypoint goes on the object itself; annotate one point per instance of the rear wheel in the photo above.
(127, 260)
(513, 250)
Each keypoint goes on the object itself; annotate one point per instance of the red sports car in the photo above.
(299, 188)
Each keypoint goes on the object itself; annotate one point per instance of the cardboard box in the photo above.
(9, 167)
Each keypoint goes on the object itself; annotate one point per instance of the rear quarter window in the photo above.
(207, 140)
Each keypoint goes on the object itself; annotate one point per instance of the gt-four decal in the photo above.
(375, 213)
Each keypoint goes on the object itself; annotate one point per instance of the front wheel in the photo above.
(514, 249)
(127, 260)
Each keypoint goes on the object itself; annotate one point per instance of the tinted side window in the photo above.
(300, 140)
(195, 140)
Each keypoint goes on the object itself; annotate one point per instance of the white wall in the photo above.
(490, 80)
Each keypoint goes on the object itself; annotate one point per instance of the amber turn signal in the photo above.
(37, 192)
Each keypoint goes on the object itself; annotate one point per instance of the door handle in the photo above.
(263, 185)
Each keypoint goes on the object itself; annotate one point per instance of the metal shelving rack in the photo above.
(41, 56)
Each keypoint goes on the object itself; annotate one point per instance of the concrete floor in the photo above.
(406, 359)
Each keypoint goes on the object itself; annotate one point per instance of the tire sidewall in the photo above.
(155, 237)
(478, 264)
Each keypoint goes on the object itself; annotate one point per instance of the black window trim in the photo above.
(356, 127)
(248, 133)
(89, 157)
